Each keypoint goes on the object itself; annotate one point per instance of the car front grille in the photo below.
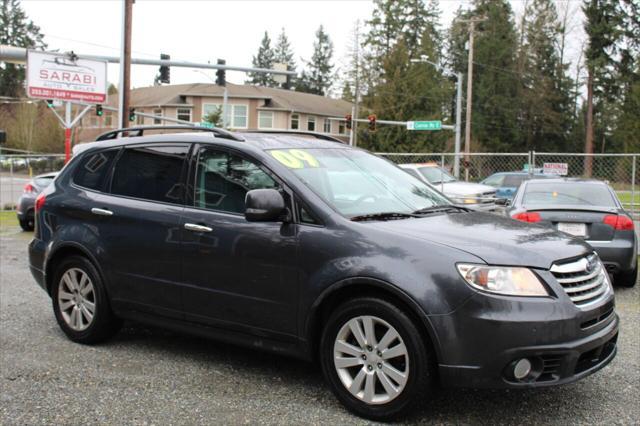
(584, 280)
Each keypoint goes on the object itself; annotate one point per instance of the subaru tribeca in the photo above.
(298, 244)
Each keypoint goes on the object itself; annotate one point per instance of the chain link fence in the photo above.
(619, 170)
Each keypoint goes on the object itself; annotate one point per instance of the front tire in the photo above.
(80, 302)
(375, 359)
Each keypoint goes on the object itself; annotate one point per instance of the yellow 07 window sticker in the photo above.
(295, 158)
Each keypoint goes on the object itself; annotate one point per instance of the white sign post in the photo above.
(561, 169)
(64, 77)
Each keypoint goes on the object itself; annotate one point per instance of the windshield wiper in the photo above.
(382, 216)
(441, 208)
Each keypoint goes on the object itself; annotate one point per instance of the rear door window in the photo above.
(93, 171)
(151, 173)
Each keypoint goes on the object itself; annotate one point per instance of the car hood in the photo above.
(494, 239)
(463, 188)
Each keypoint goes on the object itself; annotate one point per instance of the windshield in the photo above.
(569, 193)
(357, 183)
(436, 175)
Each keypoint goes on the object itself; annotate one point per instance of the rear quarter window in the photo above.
(150, 173)
(93, 170)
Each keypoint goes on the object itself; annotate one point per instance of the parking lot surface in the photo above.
(151, 376)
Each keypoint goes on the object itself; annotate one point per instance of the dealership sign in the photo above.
(561, 169)
(57, 76)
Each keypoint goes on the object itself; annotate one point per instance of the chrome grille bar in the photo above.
(583, 280)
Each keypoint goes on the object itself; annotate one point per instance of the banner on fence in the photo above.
(561, 169)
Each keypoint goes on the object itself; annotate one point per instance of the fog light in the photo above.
(522, 369)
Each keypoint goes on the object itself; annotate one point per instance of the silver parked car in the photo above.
(474, 195)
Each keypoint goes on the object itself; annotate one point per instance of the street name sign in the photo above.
(58, 76)
(424, 125)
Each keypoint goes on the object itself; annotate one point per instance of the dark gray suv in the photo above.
(298, 244)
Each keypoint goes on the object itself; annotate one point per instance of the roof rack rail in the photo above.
(321, 136)
(139, 131)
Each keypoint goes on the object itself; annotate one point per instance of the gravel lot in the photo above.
(150, 376)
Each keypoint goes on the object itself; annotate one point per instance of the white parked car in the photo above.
(474, 195)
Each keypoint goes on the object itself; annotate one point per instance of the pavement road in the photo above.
(148, 376)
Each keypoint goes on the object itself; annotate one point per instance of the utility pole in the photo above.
(456, 164)
(357, 88)
(125, 63)
(467, 125)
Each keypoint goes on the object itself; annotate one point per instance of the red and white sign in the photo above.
(56, 76)
(561, 169)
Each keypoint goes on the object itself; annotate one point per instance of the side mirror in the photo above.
(502, 202)
(264, 205)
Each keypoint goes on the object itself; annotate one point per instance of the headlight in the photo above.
(503, 280)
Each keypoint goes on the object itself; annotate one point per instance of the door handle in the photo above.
(197, 228)
(101, 212)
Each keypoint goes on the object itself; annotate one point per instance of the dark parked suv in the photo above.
(301, 245)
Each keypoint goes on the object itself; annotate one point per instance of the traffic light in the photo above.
(221, 75)
(99, 111)
(165, 72)
(348, 119)
(132, 114)
(372, 122)
(50, 103)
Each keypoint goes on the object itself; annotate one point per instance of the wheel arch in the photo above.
(63, 251)
(365, 287)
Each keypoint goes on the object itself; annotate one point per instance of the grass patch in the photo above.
(625, 197)
(8, 219)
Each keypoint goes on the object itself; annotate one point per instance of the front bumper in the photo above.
(481, 341)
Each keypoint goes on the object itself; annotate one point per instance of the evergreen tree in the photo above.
(546, 93)
(264, 59)
(318, 76)
(347, 93)
(283, 54)
(495, 125)
(16, 30)
(420, 18)
(602, 25)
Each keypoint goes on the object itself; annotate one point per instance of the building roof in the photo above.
(274, 99)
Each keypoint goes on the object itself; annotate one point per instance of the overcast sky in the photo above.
(202, 31)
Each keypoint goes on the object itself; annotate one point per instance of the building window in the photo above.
(327, 125)
(108, 120)
(342, 127)
(139, 119)
(184, 114)
(157, 113)
(240, 115)
(311, 123)
(265, 119)
(237, 115)
(295, 121)
(93, 121)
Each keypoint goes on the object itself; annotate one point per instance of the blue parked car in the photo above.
(507, 183)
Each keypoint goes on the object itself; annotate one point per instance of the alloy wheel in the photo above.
(77, 299)
(371, 359)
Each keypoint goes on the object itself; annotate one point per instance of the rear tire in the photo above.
(375, 376)
(626, 279)
(26, 224)
(80, 302)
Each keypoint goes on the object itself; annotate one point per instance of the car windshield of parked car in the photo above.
(568, 193)
(357, 183)
(513, 181)
(436, 175)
